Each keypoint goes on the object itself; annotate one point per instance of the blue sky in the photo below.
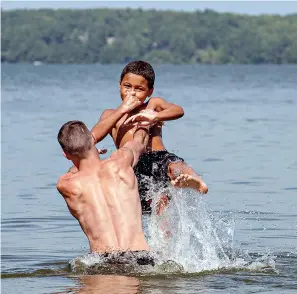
(249, 7)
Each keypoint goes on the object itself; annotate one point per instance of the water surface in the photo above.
(239, 132)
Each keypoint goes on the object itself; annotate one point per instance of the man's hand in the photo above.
(129, 103)
(145, 117)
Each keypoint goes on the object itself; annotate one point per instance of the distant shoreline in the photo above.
(147, 10)
(112, 36)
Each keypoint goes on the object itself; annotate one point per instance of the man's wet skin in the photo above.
(103, 194)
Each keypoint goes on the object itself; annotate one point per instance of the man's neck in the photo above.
(90, 162)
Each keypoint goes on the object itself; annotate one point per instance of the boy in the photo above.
(157, 164)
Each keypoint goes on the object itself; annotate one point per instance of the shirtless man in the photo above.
(103, 194)
(159, 165)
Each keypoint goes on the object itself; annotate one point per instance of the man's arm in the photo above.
(129, 154)
(110, 117)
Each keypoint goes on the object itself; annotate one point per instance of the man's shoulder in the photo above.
(68, 184)
(112, 164)
(120, 164)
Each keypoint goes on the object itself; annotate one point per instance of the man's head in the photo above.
(75, 139)
(137, 78)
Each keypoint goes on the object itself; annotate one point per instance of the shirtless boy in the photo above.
(103, 194)
(136, 85)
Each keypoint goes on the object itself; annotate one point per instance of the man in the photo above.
(103, 194)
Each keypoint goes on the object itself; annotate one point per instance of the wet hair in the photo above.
(141, 68)
(75, 138)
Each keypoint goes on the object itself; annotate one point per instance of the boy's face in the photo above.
(135, 85)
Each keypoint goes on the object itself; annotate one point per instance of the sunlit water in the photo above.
(239, 132)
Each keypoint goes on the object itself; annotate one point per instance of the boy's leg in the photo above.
(183, 176)
(161, 205)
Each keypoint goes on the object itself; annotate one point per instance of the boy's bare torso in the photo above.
(122, 133)
(107, 207)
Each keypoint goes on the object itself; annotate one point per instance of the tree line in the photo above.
(122, 35)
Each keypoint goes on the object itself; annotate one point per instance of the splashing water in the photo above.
(184, 233)
(190, 236)
(185, 238)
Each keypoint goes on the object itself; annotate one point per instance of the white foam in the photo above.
(199, 240)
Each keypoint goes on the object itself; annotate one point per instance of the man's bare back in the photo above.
(103, 196)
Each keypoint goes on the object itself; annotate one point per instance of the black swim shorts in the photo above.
(115, 262)
(133, 258)
(152, 173)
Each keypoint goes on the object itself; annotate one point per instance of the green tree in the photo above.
(121, 35)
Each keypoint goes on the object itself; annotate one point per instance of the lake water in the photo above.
(239, 131)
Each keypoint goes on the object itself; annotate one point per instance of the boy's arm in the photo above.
(165, 110)
(110, 117)
(158, 110)
(106, 122)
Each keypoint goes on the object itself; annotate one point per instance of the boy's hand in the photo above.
(144, 118)
(129, 103)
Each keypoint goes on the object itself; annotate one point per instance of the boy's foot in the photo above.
(188, 181)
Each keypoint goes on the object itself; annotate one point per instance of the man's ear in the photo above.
(150, 92)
